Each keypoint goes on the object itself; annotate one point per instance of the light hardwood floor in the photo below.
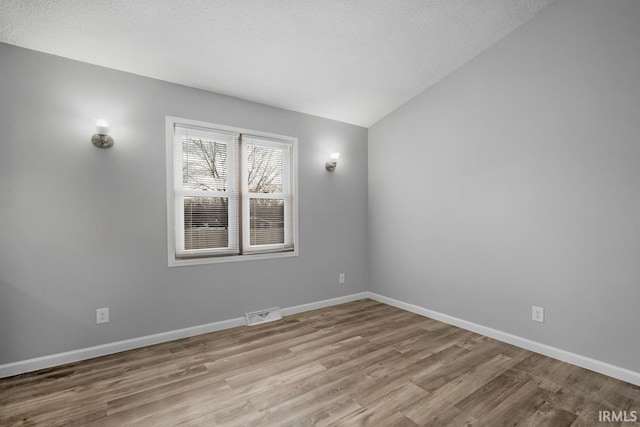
(360, 363)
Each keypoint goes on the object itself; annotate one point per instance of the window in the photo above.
(230, 193)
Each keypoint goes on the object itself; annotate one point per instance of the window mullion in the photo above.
(245, 220)
(232, 189)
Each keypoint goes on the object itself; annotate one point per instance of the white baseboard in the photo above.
(52, 360)
(322, 304)
(546, 350)
(49, 361)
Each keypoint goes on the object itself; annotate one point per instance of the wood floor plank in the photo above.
(359, 363)
(450, 393)
(548, 416)
(348, 409)
(492, 393)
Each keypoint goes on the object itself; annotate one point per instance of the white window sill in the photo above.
(179, 262)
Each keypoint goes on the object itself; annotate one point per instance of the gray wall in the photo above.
(515, 182)
(83, 228)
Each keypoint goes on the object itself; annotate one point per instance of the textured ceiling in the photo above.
(348, 60)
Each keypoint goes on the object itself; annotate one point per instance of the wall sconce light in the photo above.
(101, 138)
(331, 164)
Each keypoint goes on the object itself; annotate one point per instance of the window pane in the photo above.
(204, 164)
(265, 169)
(205, 222)
(267, 221)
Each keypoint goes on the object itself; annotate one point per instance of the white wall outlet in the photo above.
(102, 315)
(341, 278)
(537, 314)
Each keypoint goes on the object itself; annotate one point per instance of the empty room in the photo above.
(328, 213)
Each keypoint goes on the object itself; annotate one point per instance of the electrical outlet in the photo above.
(102, 315)
(537, 314)
(341, 278)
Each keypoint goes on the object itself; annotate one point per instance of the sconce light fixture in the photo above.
(331, 164)
(101, 138)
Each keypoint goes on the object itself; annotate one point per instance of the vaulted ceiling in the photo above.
(348, 60)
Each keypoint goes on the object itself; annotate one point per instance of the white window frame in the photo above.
(175, 222)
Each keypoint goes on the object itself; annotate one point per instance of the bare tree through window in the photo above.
(204, 164)
(265, 169)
